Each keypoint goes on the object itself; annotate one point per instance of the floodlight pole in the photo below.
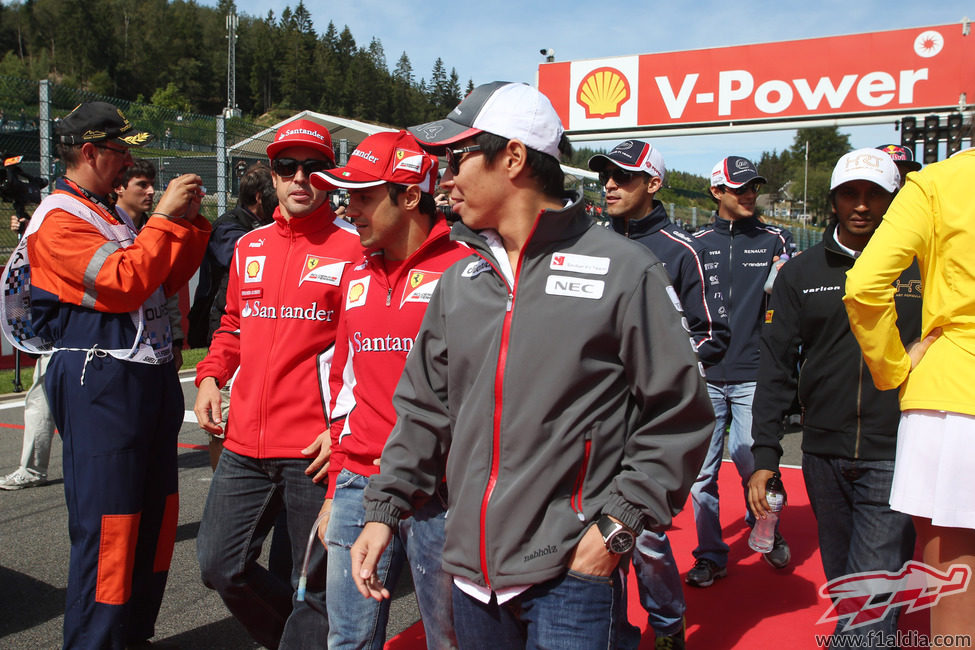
(805, 182)
(232, 23)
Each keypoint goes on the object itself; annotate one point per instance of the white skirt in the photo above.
(934, 474)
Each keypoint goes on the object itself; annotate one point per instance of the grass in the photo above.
(190, 359)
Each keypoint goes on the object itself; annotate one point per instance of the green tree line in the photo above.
(173, 53)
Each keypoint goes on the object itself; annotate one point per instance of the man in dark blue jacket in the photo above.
(632, 174)
(741, 251)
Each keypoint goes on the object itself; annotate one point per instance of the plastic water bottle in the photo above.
(763, 532)
(783, 258)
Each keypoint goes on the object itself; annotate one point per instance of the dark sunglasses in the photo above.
(619, 176)
(288, 167)
(744, 189)
(120, 152)
(453, 157)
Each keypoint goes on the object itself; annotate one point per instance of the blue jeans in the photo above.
(659, 583)
(572, 612)
(732, 403)
(858, 531)
(357, 622)
(245, 498)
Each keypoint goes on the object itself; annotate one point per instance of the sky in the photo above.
(501, 39)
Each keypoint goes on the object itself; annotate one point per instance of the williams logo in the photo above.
(603, 92)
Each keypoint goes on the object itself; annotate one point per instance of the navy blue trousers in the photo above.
(119, 430)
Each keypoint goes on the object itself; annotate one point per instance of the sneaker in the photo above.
(704, 573)
(673, 642)
(780, 555)
(21, 479)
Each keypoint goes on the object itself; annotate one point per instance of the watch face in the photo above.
(621, 542)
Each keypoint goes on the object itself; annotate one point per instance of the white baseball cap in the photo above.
(633, 156)
(515, 111)
(867, 164)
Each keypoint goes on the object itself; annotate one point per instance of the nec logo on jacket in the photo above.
(560, 285)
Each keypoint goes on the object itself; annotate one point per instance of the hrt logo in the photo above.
(863, 598)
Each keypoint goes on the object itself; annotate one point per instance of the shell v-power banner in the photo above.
(907, 70)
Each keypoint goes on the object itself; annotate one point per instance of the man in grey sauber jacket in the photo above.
(553, 370)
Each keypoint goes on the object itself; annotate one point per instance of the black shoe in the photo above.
(704, 573)
(780, 555)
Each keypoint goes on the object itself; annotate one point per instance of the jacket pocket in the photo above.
(576, 500)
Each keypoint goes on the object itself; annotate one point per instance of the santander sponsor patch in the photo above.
(323, 270)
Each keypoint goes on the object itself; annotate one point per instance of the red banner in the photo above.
(898, 71)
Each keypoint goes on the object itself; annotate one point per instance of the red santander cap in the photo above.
(302, 133)
(389, 157)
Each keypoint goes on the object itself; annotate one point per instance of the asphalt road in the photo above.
(34, 553)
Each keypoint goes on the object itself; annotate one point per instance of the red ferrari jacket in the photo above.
(283, 301)
(384, 306)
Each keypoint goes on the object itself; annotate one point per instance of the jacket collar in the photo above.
(438, 235)
(739, 225)
(314, 222)
(656, 220)
(829, 242)
(550, 226)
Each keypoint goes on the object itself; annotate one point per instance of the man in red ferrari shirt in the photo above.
(390, 180)
(283, 300)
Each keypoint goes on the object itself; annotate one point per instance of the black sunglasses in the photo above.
(619, 176)
(751, 187)
(453, 157)
(120, 152)
(288, 167)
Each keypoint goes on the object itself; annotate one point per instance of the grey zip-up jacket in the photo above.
(574, 393)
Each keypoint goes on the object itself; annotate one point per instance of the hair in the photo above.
(140, 168)
(256, 186)
(70, 154)
(428, 205)
(543, 167)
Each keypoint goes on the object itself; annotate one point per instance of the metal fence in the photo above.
(210, 146)
(692, 218)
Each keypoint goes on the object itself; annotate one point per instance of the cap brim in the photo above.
(327, 180)
(735, 186)
(137, 139)
(912, 165)
(435, 136)
(598, 162)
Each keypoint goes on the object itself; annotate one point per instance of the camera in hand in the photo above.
(19, 188)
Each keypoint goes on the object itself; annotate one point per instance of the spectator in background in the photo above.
(849, 428)
(903, 157)
(740, 253)
(134, 199)
(934, 472)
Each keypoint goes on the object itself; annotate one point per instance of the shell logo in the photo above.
(253, 269)
(603, 92)
(355, 291)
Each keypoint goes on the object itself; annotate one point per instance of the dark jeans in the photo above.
(858, 531)
(245, 498)
(572, 612)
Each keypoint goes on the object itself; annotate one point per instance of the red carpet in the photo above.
(755, 607)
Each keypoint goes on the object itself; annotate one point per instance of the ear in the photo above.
(515, 157)
(654, 185)
(410, 198)
(89, 152)
(716, 193)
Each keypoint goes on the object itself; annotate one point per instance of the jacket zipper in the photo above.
(576, 501)
(273, 338)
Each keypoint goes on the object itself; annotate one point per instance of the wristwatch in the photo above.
(617, 537)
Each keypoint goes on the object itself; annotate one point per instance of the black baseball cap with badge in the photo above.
(632, 156)
(735, 172)
(99, 122)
